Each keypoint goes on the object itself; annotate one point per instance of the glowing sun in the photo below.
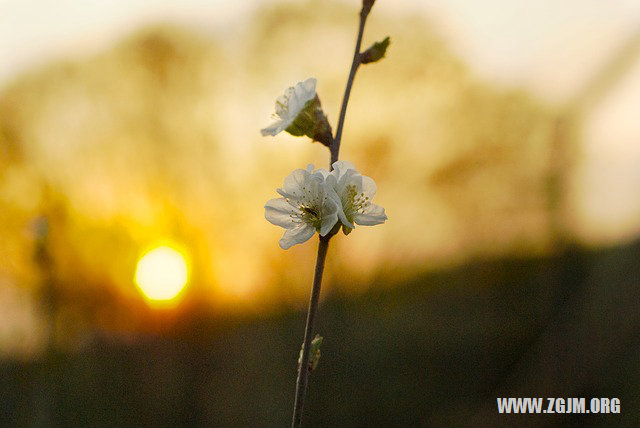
(162, 274)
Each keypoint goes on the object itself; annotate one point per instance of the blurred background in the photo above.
(141, 285)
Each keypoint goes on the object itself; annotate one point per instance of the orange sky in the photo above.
(550, 47)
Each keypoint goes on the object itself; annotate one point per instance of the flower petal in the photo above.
(374, 214)
(349, 177)
(286, 195)
(329, 217)
(282, 105)
(295, 236)
(272, 129)
(278, 211)
(322, 172)
(343, 218)
(294, 182)
(330, 189)
(334, 190)
(341, 167)
(305, 91)
(369, 187)
(310, 86)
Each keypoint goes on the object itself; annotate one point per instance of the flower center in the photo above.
(308, 209)
(310, 215)
(354, 202)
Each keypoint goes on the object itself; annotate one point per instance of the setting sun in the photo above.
(162, 274)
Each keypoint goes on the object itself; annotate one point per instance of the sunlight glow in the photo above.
(162, 274)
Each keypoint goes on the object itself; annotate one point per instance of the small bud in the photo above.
(314, 353)
(346, 230)
(376, 52)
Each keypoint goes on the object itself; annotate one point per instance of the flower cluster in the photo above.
(319, 201)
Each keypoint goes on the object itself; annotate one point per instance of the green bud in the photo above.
(346, 230)
(376, 52)
(314, 353)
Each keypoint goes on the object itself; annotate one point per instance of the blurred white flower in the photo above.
(308, 205)
(290, 105)
(355, 192)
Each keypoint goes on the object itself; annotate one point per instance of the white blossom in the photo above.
(290, 105)
(308, 205)
(355, 192)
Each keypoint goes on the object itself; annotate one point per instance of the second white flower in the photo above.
(355, 192)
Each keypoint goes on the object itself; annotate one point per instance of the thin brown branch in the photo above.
(335, 147)
(303, 367)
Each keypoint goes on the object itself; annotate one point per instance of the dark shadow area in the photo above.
(433, 352)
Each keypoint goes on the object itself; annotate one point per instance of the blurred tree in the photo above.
(158, 137)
